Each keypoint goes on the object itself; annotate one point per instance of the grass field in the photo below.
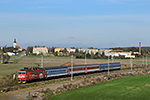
(128, 88)
(34, 61)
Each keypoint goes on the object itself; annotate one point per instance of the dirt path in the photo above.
(23, 93)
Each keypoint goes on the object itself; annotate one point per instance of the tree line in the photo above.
(4, 57)
(82, 55)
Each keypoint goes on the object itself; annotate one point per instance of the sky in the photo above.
(75, 23)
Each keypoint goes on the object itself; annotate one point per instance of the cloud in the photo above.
(71, 37)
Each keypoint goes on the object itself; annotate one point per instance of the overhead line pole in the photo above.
(131, 63)
(143, 61)
(71, 67)
(85, 57)
(146, 61)
(41, 61)
(2, 56)
(108, 64)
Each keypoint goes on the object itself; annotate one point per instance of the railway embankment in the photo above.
(84, 82)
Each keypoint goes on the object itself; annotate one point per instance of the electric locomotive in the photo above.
(28, 74)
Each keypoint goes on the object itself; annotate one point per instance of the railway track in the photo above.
(59, 79)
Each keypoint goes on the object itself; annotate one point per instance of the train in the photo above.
(29, 74)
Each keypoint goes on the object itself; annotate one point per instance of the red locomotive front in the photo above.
(28, 74)
(21, 76)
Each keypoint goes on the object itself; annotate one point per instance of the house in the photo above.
(11, 54)
(71, 50)
(58, 49)
(40, 50)
(90, 51)
(105, 51)
(118, 53)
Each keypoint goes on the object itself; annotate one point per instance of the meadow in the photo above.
(127, 88)
(35, 61)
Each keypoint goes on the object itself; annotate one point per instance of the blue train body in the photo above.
(66, 70)
(55, 71)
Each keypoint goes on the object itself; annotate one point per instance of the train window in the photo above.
(116, 65)
(23, 72)
(19, 72)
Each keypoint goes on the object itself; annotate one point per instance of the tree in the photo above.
(9, 49)
(72, 47)
(65, 50)
(29, 50)
(56, 53)
(77, 50)
(91, 48)
(96, 54)
(88, 55)
(5, 57)
(103, 54)
(52, 49)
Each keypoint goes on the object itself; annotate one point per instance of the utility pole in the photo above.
(71, 67)
(85, 57)
(41, 61)
(108, 65)
(112, 59)
(131, 63)
(2, 56)
(143, 61)
(146, 61)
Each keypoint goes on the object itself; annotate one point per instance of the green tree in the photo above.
(77, 50)
(72, 47)
(5, 57)
(29, 50)
(65, 50)
(103, 54)
(52, 49)
(56, 53)
(9, 49)
(88, 55)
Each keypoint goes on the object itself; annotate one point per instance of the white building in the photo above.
(11, 54)
(40, 50)
(71, 50)
(105, 51)
(118, 53)
(90, 51)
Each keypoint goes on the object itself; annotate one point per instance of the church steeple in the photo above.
(15, 43)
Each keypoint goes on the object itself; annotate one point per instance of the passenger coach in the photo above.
(55, 71)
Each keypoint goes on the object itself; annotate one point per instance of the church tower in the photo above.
(15, 43)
